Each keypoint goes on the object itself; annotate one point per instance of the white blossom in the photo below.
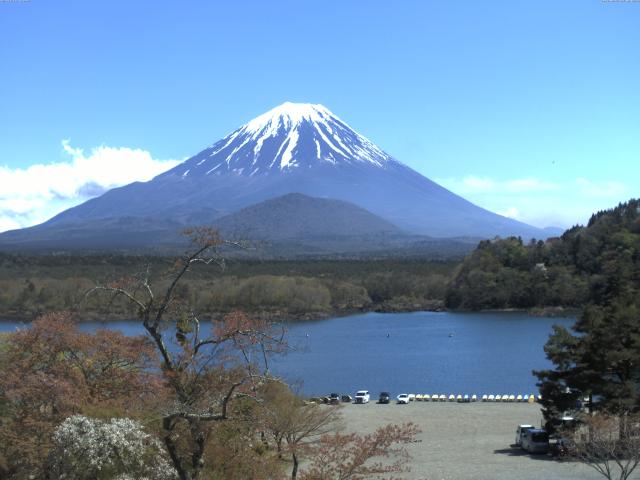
(119, 449)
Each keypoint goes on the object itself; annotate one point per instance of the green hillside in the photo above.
(586, 264)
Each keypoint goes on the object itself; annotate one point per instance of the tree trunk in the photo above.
(294, 472)
(197, 461)
(279, 446)
(175, 458)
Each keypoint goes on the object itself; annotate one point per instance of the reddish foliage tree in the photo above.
(204, 371)
(359, 457)
(51, 371)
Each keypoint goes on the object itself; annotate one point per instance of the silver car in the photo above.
(535, 440)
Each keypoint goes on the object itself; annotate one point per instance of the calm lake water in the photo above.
(421, 352)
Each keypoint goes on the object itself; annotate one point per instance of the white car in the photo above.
(403, 398)
(362, 396)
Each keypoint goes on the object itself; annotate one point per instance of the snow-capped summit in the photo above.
(291, 115)
(294, 148)
(290, 136)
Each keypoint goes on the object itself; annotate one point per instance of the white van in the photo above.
(362, 396)
(535, 440)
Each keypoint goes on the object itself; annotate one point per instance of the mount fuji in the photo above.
(293, 148)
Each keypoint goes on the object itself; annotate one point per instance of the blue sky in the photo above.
(530, 109)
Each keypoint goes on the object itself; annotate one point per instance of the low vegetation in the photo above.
(33, 285)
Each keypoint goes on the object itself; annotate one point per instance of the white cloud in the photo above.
(473, 184)
(530, 185)
(600, 189)
(32, 195)
(540, 202)
(7, 223)
(477, 184)
(511, 212)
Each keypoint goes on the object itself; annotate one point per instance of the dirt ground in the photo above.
(467, 441)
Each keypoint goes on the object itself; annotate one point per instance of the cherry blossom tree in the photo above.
(51, 371)
(91, 449)
(359, 457)
(204, 370)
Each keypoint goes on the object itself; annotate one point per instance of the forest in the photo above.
(598, 358)
(569, 271)
(31, 285)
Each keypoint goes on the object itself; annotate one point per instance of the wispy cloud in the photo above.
(540, 202)
(474, 184)
(36, 193)
(601, 189)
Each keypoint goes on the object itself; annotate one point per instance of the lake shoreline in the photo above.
(288, 317)
(269, 315)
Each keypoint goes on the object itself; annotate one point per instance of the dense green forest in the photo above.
(599, 357)
(31, 285)
(569, 271)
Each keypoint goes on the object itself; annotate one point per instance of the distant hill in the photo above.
(290, 226)
(298, 216)
(103, 234)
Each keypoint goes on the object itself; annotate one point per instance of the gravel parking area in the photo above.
(466, 441)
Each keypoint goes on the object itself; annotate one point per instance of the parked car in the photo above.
(403, 399)
(561, 448)
(520, 431)
(384, 397)
(362, 396)
(346, 398)
(535, 440)
(334, 398)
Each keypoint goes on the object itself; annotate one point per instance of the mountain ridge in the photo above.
(300, 148)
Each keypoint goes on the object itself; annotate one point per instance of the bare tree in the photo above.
(298, 424)
(204, 371)
(610, 444)
(359, 457)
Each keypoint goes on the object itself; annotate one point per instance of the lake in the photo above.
(420, 352)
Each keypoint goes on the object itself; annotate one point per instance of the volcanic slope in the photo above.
(293, 148)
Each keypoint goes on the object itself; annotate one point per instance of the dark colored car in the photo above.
(384, 397)
(334, 398)
(561, 448)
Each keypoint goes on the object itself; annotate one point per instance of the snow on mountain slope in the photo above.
(290, 136)
(293, 148)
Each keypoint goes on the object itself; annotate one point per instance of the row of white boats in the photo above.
(474, 398)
